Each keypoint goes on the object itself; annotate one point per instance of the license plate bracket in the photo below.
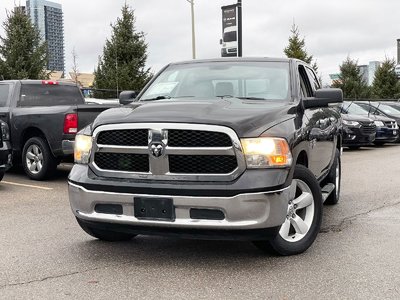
(148, 208)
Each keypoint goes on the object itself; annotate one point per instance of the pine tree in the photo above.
(23, 55)
(297, 48)
(351, 81)
(385, 85)
(123, 64)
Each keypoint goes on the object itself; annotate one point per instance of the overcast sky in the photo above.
(364, 29)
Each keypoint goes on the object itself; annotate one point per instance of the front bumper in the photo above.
(385, 134)
(355, 137)
(241, 212)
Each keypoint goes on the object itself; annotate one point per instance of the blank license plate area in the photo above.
(153, 208)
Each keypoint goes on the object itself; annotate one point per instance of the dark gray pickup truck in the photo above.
(43, 117)
(216, 149)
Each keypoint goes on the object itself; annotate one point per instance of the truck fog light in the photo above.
(266, 152)
(83, 147)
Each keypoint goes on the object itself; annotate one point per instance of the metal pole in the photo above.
(193, 31)
(239, 7)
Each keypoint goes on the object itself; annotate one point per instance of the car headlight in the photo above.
(83, 147)
(266, 152)
(379, 123)
(5, 132)
(351, 123)
(396, 126)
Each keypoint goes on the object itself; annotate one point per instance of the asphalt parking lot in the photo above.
(45, 255)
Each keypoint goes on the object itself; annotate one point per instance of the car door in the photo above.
(5, 95)
(322, 123)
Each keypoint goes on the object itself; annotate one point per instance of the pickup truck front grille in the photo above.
(202, 164)
(136, 137)
(122, 162)
(196, 138)
(171, 151)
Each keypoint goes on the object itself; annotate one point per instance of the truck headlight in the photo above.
(351, 123)
(266, 152)
(83, 147)
(379, 123)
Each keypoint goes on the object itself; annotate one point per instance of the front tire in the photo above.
(37, 160)
(105, 235)
(304, 216)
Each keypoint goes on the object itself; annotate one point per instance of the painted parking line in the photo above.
(27, 185)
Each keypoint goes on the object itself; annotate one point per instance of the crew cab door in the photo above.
(5, 95)
(322, 125)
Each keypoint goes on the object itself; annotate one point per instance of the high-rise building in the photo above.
(48, 18)
(364, 70)
(372, 67)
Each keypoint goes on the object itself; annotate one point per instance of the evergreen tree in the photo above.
(351, 81)
(385, 85)
(123, 64)
(297, 48)
(23, 55)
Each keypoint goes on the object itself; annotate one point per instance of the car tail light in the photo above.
(71, 124)
(49, 82)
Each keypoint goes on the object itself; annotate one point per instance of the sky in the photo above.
(365, 30)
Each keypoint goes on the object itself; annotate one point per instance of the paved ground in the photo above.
(44, 255)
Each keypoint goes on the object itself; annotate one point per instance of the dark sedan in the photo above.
(358, 131)
(387, 130)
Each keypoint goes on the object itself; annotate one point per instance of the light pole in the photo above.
(193, 33)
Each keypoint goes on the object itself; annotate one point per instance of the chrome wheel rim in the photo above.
(34, 159)
(300, 213)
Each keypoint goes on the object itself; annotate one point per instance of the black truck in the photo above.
(216, 149)
(5, 149)
(43, 117)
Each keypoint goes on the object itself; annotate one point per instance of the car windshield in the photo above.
(250, 80)
(388, 109)
(354, 109)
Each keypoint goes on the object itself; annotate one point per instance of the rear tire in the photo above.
(37, 160)
(335, 177)
(304, 218)
(1, 176)
(379, 144)
(105, 235)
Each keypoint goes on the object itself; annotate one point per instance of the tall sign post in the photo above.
(231, 30)
(239, 11)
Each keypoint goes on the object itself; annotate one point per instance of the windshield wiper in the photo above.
(251, 98)
(165, 97)
(157, 98)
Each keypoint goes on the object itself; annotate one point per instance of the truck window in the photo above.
(4, 92)
(315, 85)
(49, 95)
(305, 86)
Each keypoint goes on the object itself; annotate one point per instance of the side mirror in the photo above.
(220, 41)
(323, 97)
(127, 97)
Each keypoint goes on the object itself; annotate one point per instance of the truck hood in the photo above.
(349, 117)
(248, 118)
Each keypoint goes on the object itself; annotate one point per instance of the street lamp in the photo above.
(193, 33)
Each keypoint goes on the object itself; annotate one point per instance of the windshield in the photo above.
(354, 109)
(388, 109)
(256, 80)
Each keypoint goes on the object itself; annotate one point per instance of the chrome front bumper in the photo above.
(243, 211)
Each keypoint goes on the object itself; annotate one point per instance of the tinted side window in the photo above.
(305, 86)
(315, 85)
(49, 95)
(4, 92)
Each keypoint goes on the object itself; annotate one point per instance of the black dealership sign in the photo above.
(231, 30)
(228, 16)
